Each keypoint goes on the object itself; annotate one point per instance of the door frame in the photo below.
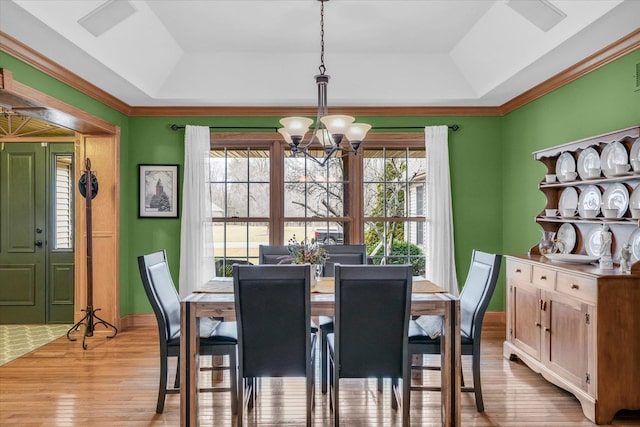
(101, 140)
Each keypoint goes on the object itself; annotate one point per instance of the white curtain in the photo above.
(439, 249)
(196, 246)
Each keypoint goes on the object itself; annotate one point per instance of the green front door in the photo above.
(36, 278)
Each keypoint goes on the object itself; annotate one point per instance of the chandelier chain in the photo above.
(322, 68)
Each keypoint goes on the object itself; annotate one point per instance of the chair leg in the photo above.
(242, 382)
(336, 401)
(162, 388)
(233, 381)
(394, 387)
(176, 383)
(331, 384)
(324, 359)
(380, 384)
(406, 394)
(477, 387)
(309, 395)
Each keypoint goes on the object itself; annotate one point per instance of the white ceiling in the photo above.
(265, 53)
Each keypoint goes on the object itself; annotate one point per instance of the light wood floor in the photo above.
(114, 383)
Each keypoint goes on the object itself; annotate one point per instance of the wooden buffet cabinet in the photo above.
(576, 324)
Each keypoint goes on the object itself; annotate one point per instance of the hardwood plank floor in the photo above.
(114, 383)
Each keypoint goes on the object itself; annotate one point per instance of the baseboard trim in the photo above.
(495, 318)
(137, 321)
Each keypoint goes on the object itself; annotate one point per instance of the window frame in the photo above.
(353, 167)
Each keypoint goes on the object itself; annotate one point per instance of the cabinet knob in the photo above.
(547, 330)
(543, 277)
(538, 324)
(575, 286)
(518, 270)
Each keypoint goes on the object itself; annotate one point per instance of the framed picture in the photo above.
(158, 191)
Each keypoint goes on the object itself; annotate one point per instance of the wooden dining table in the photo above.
(216, 299)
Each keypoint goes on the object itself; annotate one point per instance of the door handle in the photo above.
(38, 243)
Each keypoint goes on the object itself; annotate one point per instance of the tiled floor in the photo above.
(18, 340)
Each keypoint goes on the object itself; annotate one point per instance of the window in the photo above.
(63, 200)
(314, 199)
(391, 217)
(240, 194)
(263, 195)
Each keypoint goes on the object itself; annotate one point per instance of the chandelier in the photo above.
(329, 130)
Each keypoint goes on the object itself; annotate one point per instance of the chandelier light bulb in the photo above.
(285, 135)
(337, 124)
(357, 132)
(324, 137)
(296, 126)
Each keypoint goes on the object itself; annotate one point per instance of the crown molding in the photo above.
(599, 59)
(604, 56)
(40, 62)
(312, 111)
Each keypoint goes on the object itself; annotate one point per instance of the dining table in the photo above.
(216, 299)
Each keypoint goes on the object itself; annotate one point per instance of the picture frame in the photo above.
(158, 191)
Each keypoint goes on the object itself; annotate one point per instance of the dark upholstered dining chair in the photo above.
(338, 254)
(273, 254)
(273, 309)
(474, 299)
(373, 304)
(216, 338)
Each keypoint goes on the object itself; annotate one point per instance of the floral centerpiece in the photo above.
(304, 252)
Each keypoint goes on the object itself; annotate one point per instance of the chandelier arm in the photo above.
(327, 156)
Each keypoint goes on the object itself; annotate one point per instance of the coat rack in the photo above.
(88, 186)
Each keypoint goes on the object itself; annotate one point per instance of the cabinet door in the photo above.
(566, 325)
(525, 318)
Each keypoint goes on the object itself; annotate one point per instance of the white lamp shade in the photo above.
(337, 125)
(324, 137)
(296, 126)
(358, 131)
(285, 135)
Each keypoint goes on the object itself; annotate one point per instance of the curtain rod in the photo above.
(174, 126)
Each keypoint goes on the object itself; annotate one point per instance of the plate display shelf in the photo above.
(621, 227)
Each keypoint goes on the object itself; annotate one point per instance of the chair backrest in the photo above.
(273, 309)
(161, 292)
(371, 319)
(273, 254)
(345, 255)
(477, 291)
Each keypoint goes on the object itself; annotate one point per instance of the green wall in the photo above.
(602, 101)
(493, 175)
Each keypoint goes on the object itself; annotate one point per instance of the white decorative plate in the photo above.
(568, 199)
(616, 197)
(634, 241)
(634, 154)
(590, 198)
(634, 201)
(572, 258)
(588, 159)
(612, 155)
(593, 242)
(565, 163)
(567, 235)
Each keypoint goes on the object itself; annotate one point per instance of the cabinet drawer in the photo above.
(579, 287)
(544, 277)
(519, 271)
